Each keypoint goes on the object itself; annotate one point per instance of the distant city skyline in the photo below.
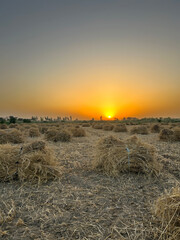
(90, 58)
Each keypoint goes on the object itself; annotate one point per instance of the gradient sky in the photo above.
(88, 58)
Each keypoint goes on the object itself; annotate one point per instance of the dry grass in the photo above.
(167, 209)
(58, 135)
(139, 130)
(78, 132)
(34, 132)
(155, 128)
(166, 134)
(34, 162)
(113, 157)
(120, 128)
(108, 127)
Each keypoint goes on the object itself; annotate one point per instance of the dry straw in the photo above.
(34, 132)
(58, 135)
(167, 209)
(34, 162)
(3, 126)
(108, 127)
(115, 156)
(166, 134)
(120, 128)
(139, 130)
(97, 126)
(176, 135)
(155, 128)
(13, 136)
(78, 132)
(86, 125)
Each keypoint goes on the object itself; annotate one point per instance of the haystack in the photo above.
(78, 132)
(97, 126)
(167, 209)
(120, 128)
(58, 135)
(3, 137)
(139, 130)
(34, 146)
(28, 163)
(155, 128)
(9, 159)
(13, 125)
(86, 125)
(34, 132)
(43, 129)
(3, 126)
(176, 134)
(166, 134)
(108, 127)
(15, 136)
(115, 156)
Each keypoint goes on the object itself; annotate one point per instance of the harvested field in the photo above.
(86, 204)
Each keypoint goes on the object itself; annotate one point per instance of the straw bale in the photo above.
(97, 126)
(167, 209)
(108, 127)
(34, 132)
(3, 137)
(139, 130)
(78, 132)
(15, 136)
(9, 159)
(3, 126)
(13, 125)
(86, 125)
(112, 156)
(155, 128)
(34, 146)
(58, 135)
(176, 134)
(166, 134)
(33, 162)
(120, 128)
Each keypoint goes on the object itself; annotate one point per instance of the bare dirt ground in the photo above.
(85, 204)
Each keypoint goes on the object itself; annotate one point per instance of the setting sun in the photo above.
(109, 117)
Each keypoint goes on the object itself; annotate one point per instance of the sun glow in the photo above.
(109, 117)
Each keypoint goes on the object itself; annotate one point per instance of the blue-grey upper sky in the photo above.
(121, 57)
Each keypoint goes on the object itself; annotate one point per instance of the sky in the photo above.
(90, 58)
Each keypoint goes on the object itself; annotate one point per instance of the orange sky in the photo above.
(90, 59)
